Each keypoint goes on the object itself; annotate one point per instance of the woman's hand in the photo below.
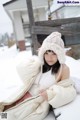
(43, 93)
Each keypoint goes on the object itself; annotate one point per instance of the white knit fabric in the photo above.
(46, 80)
(55, 43)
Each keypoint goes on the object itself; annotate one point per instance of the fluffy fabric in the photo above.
(76, 84)
(74, 66)
(55, 43)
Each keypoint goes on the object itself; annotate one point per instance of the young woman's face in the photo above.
(50, 57)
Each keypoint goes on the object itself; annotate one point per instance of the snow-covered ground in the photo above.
(11, 53)
(9, 58)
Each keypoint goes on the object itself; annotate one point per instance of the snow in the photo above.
(70, 111)
(10, 81)
(8, 53)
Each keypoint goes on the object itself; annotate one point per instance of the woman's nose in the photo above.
(49, 57)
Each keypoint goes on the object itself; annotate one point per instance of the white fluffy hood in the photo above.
(55, 43)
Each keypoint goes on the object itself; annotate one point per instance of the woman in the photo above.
(46, 80)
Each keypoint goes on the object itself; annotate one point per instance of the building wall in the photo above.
(39, 15)
(70, 12)
(66, 12)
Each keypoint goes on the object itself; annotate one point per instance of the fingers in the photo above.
(41, 91)
(44, 95)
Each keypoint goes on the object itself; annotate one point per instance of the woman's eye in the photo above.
(53, 54)
(46, 53)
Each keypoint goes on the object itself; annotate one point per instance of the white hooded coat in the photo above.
(35, 107)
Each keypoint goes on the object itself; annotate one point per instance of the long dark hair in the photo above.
(54, 68)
